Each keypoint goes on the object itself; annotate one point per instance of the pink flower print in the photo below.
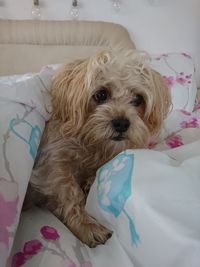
(49, 233)
(186, 55)
(169, 81)
(174, 141)
(197, 107)
(187, 113)
(151, 145)
(18, 259)
(8, 207)
(193, 123)
(181, 80)
(32, 247)
(188, 76)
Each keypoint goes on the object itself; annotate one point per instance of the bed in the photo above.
(156, 221)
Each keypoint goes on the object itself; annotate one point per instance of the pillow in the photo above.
(23, 111)
(179, 73)
(15, 78)
(12, 79)
(29, 90)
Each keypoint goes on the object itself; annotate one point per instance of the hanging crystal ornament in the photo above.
(74, 11)
(36, 12)
(116, 5)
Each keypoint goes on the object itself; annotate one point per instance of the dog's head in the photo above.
(111, 99)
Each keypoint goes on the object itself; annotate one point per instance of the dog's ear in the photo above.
(71, 91)
(69, 96)
(159, 102)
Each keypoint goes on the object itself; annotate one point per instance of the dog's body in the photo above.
(100, 107)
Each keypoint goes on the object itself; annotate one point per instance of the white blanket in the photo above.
(157, 222)
(149, 198)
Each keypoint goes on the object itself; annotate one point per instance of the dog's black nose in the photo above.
(120, 125)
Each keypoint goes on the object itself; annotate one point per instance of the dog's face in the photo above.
(116, 112)
(113, 99)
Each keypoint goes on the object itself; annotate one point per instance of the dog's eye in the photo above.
(137, 100)
(101, 95)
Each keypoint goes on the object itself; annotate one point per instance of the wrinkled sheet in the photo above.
(150, 198)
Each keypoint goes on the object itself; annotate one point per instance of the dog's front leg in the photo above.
(86, 185)
(70, 208)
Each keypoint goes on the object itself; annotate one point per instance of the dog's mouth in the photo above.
(119, 137)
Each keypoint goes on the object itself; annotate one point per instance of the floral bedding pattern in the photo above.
(15, 166)
(21, 125)
(178, 71)
(32, 247)
(41, 240)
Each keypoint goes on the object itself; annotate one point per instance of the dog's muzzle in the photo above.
(120, 125)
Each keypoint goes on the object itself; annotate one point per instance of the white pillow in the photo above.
(11, 79)
(29, 89)
(179, 73)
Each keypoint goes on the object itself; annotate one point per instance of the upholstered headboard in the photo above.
(26, 46)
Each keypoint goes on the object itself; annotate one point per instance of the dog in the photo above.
(101, 105)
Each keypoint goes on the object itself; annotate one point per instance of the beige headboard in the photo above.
(26, 46)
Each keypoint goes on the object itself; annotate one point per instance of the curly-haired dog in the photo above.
(101, 105)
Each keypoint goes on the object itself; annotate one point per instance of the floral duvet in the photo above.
(150, 198)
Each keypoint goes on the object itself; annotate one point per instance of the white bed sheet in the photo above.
(157, 223)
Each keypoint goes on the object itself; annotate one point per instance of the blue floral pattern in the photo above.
(114, 187)
(34, 138)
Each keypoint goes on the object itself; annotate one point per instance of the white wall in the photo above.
(167, 26)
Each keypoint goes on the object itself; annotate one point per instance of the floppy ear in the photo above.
(69, 96)
(160, 102)
(71, 90)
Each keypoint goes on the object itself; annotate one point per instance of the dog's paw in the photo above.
(94, 234)
(97, 235)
